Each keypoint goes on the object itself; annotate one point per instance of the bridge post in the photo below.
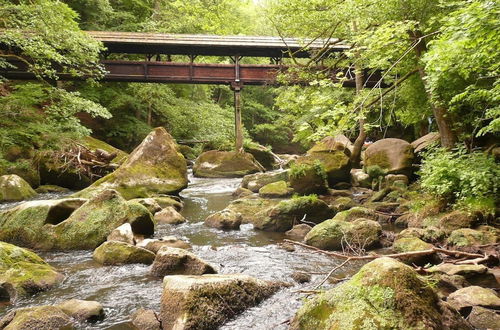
(238, 131)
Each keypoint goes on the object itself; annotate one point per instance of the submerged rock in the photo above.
(174, 261)
(154, 167)
(82, 310)
(206, 302)
(225, 219)
(225, 164)
(22, 273)
(120, 253)
(39, 318)
(146, 319)
(14, 188)
(338, 235)
(283, 216)
(277, 189)
(154, 245)
(169, 216)
(394, 156)
(384, 294)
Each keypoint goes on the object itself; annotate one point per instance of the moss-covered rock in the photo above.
(82, 310)
(429, 234)
(150, 203)
(73, 223)
(174, 261)
(169, 215)
(336, 234)
(14, 188)
(283, 216)
(308, 178)
(384, 294)
(360, 179)
(278, 189)
(412, 244)
(394, 156)
(342, 204)
(154, 167)
(471, 237)
(457, 220)
(252, 208)
(356, 213)
(484, 318)
(44, 189)
(120, 253)
(474, 296)
(40, 318)
(225, 164)
(166, 201)
(22, 273)
(254, 182)
(262, 154)
(225, 219)
(206, 302)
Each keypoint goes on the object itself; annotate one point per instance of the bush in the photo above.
(460, 177)
(300, 170)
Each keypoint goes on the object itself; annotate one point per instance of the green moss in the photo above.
(471, 237)
(118, 253)
(94, 144)
(356, 213)
(15, 188)
(220, 164)
(275, 189)
(375, 171)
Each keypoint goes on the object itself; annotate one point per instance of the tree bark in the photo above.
(443, 120)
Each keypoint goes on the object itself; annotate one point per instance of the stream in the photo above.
(123, 289)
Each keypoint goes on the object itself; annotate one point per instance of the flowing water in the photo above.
(123, 289)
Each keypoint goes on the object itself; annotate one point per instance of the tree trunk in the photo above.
(360, 140)
(150, 115)
(443, 120)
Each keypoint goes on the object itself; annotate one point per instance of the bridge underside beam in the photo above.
(187, 73)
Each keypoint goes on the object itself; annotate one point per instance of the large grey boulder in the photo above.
(394, 156)
(206, 302)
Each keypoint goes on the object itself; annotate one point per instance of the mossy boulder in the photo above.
(174, 261)
(14, 188)
(251, 208)
(225, 219)
(355, 213)
(254, 182)
(22, 273)
(336, 234)
(169, 215)
(287, 213)
(474, 296)
(120, 253)
(150, 203)
(154, 167)
(384, 294)
(412, 244)
(457, 220)
(73, 223)
(342, 204)
(206, 302)
(429, 234)
(472, 237)
(45, 189)
(308, 178)
(262, 154)
(166, 201)
(39, 318)
(394, 156)
(225, 164)
(82, 310)
(278, 189)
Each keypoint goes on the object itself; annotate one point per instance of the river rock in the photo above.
(484, 318)
(174, 261)
(146, 319)
(474, 296)
(299, 232)
(306, 178)
(413, 244)
(154, 245)
(278, 189)
(154, 167)
(252, 208)
(457, 220)
(261, 154)
(22, 273)
(206, 302)
(356, 213)
(429, 234)
(360, 179)
(121, 253)
(241, 192)
(150, 203)
(14, 188)
(335, 234)
(466, 271)
(166, 201)
(471, 237)
(82, 310)
(225, 164)
(45, 189)
(225, 219)
(169, 216)
(342, 204)
(283, 216)
(394, 156)
(123, 233)
(39, 318)
(384, 294)
(254, 182)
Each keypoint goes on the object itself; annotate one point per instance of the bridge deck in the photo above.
(211, 45)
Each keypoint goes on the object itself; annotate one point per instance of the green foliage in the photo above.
(300, 170)
(459, 176)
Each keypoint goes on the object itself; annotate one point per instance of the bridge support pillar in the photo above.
(238, 130)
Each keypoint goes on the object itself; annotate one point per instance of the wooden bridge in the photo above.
(158, 67)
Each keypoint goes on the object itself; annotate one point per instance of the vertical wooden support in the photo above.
(237, 119)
